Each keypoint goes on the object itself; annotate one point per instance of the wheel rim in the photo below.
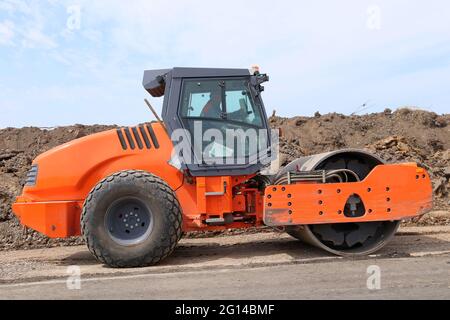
(128, 221)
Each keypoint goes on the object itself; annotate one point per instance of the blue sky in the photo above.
(65, 62)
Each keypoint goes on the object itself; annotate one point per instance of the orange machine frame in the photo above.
(389, 192)
(53, 206)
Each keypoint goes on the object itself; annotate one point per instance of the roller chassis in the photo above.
(347, 202)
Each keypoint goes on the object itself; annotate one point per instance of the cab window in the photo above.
(224, 100)
(227, 106)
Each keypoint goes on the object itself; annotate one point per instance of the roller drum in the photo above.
(344, 239)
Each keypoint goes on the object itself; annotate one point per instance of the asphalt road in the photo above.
(400, 278)
(260, 266)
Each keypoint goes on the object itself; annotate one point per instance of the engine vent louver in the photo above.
(145, 136)
(121, 139)
(137, 137)
(141, 137)
(152, 136)
(129, 138)
(32, 176)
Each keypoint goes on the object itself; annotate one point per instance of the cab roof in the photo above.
(155, 80)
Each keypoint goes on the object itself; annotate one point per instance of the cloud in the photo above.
(30, 21)
(6, 32)
(15, 6)
(35, 38)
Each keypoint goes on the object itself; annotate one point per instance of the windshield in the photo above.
(226, 114)
(221, 100)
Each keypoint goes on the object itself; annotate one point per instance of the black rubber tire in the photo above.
(157, 195)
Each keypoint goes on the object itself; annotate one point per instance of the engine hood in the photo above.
(71, 170)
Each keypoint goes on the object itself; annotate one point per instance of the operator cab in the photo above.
(216, 118)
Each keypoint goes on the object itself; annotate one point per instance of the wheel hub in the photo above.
(128, 221)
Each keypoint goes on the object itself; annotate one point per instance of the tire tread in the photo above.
(167, 242)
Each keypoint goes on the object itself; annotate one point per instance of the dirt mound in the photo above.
(403, 135)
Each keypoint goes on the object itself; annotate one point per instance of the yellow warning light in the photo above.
(254, 69)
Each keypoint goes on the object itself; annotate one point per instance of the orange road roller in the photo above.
(211, 164)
